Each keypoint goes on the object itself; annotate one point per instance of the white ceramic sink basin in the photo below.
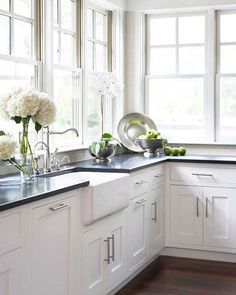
(106, 194)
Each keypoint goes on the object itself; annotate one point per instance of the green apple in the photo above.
(150, 134)
(157, 134)
(167, 150)
(182, 151)
(175, 151)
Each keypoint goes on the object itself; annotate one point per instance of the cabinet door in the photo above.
(53, 248)
(186, 215)
(220, 217)
(156, 218)
(93, 268)
(11, 272)
(117, 235)
(137, 231)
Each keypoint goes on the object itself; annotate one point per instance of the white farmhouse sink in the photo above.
(106, 194)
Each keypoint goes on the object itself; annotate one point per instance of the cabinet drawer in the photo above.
(200, 174)
(11, 231)
(157, 176)
(140, 183)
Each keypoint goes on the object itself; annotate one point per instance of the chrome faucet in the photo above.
(47, 157)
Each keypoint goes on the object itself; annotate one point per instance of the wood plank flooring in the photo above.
(181, 276)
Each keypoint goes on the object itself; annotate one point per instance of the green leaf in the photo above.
(38, 127)
(2, 133)
(107, 136)
(17, 120)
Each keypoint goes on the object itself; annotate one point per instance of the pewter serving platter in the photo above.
(131, 127)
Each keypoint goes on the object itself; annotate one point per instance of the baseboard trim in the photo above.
(199, 254)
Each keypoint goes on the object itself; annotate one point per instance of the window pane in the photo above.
(90, 56)
(67, 49)
(191, 29)
(192, 60)
(101, 27)
(56, 47)
(68, 15)
(22, 38)
(162, 61)
(23, 7)
(177, 102)
(4, 4)
(227, 22)
(64, 97)
(93, 131)
(101, 58)
(4, 33)
(55, 13)
(228, 103)
(90, 23)
(162, 31)
(228, 59)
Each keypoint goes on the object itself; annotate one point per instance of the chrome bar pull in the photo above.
(112, 238)
(202, 174)
(207, 215)
(140, 202)
(108, 251)
(59, 207)
(197, 206)
(140, 182)
(155, 211)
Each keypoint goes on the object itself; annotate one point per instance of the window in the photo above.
(18, 66)
(226, 76)
(176, 75)
(190, 86)
(98, 44)
(65, 72)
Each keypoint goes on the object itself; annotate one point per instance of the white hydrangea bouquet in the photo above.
(23, 106)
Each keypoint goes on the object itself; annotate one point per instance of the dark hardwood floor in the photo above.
(181, 276)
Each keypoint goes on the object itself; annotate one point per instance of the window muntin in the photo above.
(176, 75)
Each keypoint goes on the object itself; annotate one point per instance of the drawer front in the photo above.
(157, 176)
(140, 183)
(201, 174)
(10, 231)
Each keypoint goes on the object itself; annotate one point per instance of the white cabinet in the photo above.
(186, 215)
(104, 257)
(53, 246)
(138, 231)
(156, 218)
(12, 280)
(220, 217)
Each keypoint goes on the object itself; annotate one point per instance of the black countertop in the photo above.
(128, 163)
(13, 194)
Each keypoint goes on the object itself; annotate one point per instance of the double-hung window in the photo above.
(176, 75)
(98, 44)
(65, 72)
(18, 49)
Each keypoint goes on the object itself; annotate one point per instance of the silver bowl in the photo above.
(103, 156)
(151, 146)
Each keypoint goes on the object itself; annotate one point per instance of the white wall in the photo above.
(144, 5)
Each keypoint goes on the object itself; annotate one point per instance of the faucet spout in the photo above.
(65, 131)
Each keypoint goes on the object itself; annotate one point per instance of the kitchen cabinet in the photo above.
(138, 231)
(104, 259)
(186, 215)
(12, 280)
(53, 246)
(156, 219)
(220, 217)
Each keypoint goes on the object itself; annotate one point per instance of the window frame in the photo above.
(212, 97)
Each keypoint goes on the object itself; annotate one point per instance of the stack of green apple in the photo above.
(151, 134)
(175, 151)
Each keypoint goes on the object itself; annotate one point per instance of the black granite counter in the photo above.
(13, 193)
(128, 163)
